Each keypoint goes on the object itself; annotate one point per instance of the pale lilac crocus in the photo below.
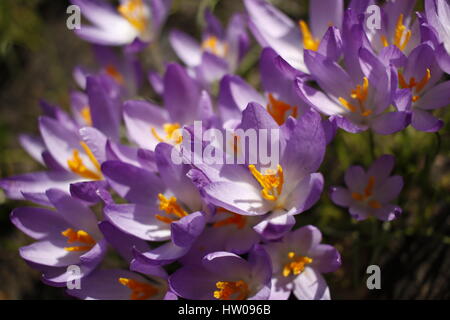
(132, 22)
(420, 90)
(370, 193)
(219, 52)
(298, 262)
(225, 276)
(66, 236)
(357, 104)
(272, 28)
(279, 193)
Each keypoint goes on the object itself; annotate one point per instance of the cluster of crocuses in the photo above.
(223, 231)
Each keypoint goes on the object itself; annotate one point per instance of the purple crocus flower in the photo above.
(281, 191)
(298, 261)
(67, 236)
(225, 276)
(117, 284)
(274, 29)
(165, 208)
(420, 91)
(437, 15)
(131, 21)
(184, 102)
(356, 103)
(280, 97)
(370, 193)
(73, 157)
(219, 52)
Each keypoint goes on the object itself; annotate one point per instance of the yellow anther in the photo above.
(278, 110)
(401, 35)
(214, 45)
(139, 290)
(77, 166)
(136, 13)
(231, 290)
(271, 182)
(79, 236)
(170, 207)
(309, 42)
(296, 265)
(86, 115)
(115, 74)
(237, 219)
(173, 134)
(359, 94)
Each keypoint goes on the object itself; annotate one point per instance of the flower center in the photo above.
(139, 290)
(114, 73)
(215, 46)
(359, 94)
(79, 236)
(235, 219)
(173, 134)
(171, 208)
(401, 36)
(309, 42)
(279, 110)
(136, 13)
(77, 166)
(271, 182)
(413, 84)
(86, 115)
(231, 290)
(296, 265)
(368, 192)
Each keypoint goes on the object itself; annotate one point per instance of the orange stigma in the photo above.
(215, 46)
(368, 192)
(139, 290)
(279, 110)
(115, 74)
(417, 87)
(236, 219)
(79, 236)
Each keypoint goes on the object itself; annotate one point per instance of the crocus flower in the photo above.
(280, 97)
(184, 102)
(66, 236)
(161, 209)
(225, 276)
(370, 193)
(274, 29)
(132, 20)
(437, 15)
(117, 284)
(287, 188)
(73, 157)
(298, 261)
(420, 91)
(219, 52)
(357, 104)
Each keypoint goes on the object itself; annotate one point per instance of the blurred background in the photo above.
(37, 56)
